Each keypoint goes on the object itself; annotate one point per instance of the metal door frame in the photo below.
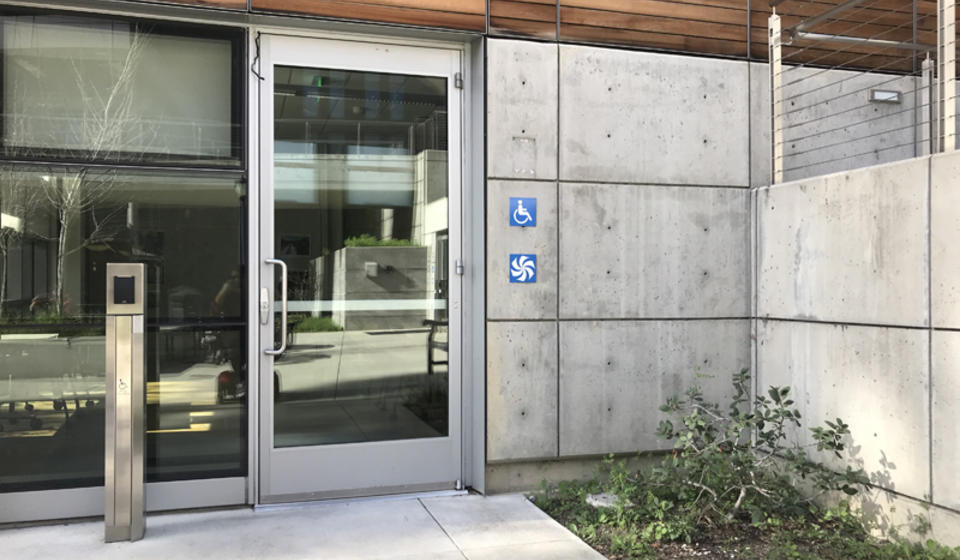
(353, 53)
(46, 505)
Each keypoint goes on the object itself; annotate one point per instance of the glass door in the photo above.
(359, 315)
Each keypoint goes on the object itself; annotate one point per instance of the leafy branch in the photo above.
(741, 459)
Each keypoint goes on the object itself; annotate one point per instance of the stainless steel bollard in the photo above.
(125, 389)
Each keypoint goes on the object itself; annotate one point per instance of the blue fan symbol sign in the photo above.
(523, 269)
(523, 211)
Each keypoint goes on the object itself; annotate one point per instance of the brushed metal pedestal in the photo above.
(125, 394)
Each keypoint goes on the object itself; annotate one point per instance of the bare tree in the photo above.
(18, 204)
(107, 129)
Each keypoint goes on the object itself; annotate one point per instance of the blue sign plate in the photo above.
(523, 268)
(523, 211)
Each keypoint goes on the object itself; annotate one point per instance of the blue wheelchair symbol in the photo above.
(523, 211)
(523, 269)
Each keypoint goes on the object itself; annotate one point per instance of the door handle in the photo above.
(283, 308)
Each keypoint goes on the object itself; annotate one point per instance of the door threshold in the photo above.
(355, 499)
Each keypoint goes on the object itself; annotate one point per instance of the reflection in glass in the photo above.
(81, 88)
(360, 188)
(59, 229)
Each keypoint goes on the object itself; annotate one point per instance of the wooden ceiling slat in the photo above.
(667, 8)
(230, 4)
(629, 5)
(712, 27)
(523, 10)
(524, 18)
(469, 14)
(476, 7)
(585, 33)
(651, 24)
(717, 27)
(871, 20)
(506, 27)
(881, 19)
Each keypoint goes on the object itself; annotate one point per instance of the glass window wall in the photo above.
(92, 112)
(83, 89)
(53, 257)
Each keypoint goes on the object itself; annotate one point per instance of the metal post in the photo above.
(925, 123)
(947, 16)
(926, 143)
(776, 100)
(126, 361)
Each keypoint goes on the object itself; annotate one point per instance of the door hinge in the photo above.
(458, 80)
(458, 267)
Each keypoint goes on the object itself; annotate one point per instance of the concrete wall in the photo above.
(640, 166)
(386, 275)
(859, 307)
(650, 241)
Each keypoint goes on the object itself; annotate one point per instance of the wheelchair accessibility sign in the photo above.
(523, 268)
(523, 211)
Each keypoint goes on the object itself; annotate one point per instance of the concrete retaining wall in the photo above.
(857, 298)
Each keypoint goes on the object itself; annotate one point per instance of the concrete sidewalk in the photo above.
(441, 528)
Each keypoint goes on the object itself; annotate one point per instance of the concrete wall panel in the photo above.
(885, 512)
(521, 301)
(521, 390)
(945, 233)
(849, 247)
(874, 378)
(653, 252)
(946, 418)
(614, 375)
(521, 109)
(635, 117)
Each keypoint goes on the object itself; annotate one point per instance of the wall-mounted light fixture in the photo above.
(885, 96)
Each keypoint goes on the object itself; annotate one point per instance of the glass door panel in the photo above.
(360, 171)
(360, 201)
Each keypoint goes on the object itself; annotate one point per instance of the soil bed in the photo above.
(812, 538)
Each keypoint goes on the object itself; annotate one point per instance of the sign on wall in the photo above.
(523, 211)
(523, 268)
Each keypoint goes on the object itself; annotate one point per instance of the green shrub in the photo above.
(307, 324)
(739, 461)
(367, 240)
(732, 471)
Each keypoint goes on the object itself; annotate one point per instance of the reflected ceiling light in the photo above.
(11, 222)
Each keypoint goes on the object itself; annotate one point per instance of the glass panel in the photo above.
(82, 89)
(360, 194)
(59, 229)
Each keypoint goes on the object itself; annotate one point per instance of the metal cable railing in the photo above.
(860, 82)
